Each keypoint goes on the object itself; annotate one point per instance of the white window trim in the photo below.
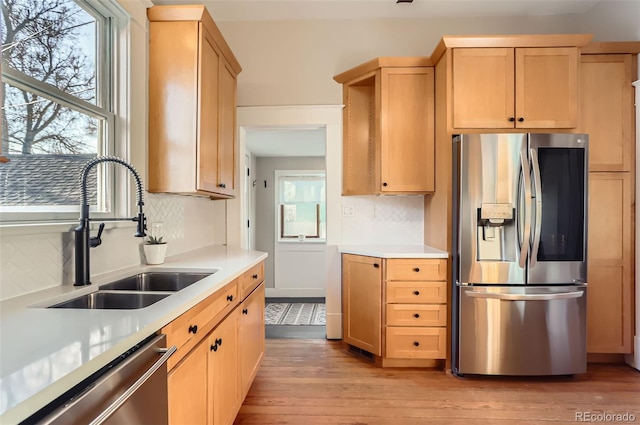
(276, 206)
(122, 198)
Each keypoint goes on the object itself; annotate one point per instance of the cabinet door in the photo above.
(187, 385)
(546, 87)
(606, 111)
(610, 270)
(251, 337)
(362, 302)
(227, 124)
(207, 152)
(483, 92)
(407, 130)
(224, 389)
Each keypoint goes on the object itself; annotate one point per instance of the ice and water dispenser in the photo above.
(496, 232)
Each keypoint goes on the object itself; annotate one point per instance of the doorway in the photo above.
(299, 118)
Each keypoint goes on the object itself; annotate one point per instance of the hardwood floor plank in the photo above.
(318, 382)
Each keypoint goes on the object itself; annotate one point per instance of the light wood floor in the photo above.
(315, 381)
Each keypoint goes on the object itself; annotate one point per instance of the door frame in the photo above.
(329, 117)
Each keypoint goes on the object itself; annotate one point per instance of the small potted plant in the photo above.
(155, 247)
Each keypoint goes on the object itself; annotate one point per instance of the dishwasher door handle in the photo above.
(109, 411)
(526, 297)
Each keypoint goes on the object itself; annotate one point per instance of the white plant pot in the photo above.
(155, 253)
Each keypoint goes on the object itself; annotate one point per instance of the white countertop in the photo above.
(45, 352)
(394, 251)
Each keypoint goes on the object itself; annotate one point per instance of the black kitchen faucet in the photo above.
(83, 239)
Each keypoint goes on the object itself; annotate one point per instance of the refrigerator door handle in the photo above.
(524, 244)
(538, 201)
(526, 297)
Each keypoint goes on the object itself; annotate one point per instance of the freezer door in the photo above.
(493, 196)
(522, 330)
(559, 170)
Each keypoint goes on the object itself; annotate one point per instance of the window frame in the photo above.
(279, 218)
(113, 68)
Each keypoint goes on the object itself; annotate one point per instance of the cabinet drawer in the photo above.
(417, 292)
(416, 315)
(416, 343)
(250, 279)
(416, 269)
(192, 326)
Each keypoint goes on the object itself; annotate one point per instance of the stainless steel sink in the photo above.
(155, 281)
(113, 300)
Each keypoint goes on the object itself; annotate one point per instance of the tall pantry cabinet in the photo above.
(607, 99)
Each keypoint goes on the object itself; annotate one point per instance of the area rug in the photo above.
(295, 314)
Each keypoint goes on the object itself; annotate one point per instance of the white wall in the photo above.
(293, 62)
(279, 256)
(35, 258)
(613, 20)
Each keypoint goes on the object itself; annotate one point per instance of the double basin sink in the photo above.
(134, 292)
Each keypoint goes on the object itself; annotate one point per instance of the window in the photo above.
(58, 68)
(301, 205)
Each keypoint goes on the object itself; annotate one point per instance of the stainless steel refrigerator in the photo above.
(519, 254)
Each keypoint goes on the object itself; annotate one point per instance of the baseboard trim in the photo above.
(334, 325)
(633, 360)
(294, 292)
(605, 358)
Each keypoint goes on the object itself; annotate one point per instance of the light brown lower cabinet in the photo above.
(396, 309)
(187, 383)
(223, 371)
(213, 374)
(251, 337)
(610, 271)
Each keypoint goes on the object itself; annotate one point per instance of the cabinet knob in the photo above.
(214, 347)
(385, 184)
(376, 265)
(416, 315)
(416, 343)
(218, 341)
(416, 269)
(229, 297)
(245, 311)
(193, 329)
(521, 119)
(255, 276)
(512, 119)
(416, 292)
(222, 185)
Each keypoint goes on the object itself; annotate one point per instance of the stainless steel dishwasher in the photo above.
(131, 390)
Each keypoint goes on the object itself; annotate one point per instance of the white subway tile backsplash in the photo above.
(30, 263)
(383, 220)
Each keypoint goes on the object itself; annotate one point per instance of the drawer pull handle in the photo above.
(416, 292)
(376, 265)
(416, 343)
(245, 311)
(229, 297)
(416, 315)
(193, 329)
(416, 269)
(255, 276)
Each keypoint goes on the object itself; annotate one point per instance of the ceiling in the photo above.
(261, 10)
(286, 141)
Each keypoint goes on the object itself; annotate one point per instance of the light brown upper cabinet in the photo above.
(515, 87)
(192, 104)
(607, 110)
(388, 140)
